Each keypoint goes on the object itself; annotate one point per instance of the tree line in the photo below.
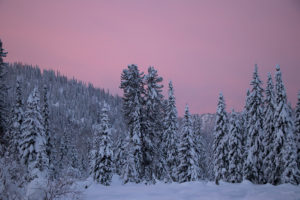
(261, 144)
(54, 128)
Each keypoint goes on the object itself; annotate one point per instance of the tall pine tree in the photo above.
(16, 123)
(3, 111)
(221, 142)
(286, 169)
(154, 166)
(49, 146)
(103, 164)
(32, 144)
(133, 101)
(188, 169)
(235, 163)
(170, 135)
(297, 129)
(253, 164)
(269, 130)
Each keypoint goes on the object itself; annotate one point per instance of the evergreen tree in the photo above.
(49, 146)
(103, 169)
(188, 164)
(199, 148)
(154, 126)
(170, 135)
(286, 169)
(297, 128)
(269, 111)
(244, 118)
(120, 155)
(253, 163)
(235, 150)
(62, 159)
(32, 143)
(221, 142)
(16, 123)
(133, 101)
(3, 111)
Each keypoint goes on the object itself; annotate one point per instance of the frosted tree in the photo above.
(286, 169)
(244, 118)
(170, 136)
(221, 142)
(32, 144)
(120, 155)
(103, 168)
(62, 159)
(235, 150)
(154, 126)
(269, 130)
(16, 122)
(188, 169)
(49, 147)
(3, 89)
(253, 164)
(133, 101)
(297, 128)
(202, 158)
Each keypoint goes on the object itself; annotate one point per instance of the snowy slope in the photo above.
(191, 191)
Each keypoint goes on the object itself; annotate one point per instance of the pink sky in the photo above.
(204, 47)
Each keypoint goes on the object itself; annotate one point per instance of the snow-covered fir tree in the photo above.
(297, 129)
(199, 148)
(3, 111)
(46, 115)
(235, 162)
(154, 126)
(170, 136)
(62, 160)
(188, 169)
(286, 169)
(32, 143)
(269, 133)
(253, 164)
(103, 169)
(133, 101)
(120, 155)
(221, 142)
(16, 123)
(244, 125)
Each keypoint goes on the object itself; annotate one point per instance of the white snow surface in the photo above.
(189, 191)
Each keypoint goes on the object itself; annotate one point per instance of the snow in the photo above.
(189, 191)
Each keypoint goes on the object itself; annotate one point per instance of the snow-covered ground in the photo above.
(190, 191)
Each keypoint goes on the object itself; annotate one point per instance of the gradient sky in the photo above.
(204, 47)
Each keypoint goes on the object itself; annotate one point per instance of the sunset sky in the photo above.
(203, 46)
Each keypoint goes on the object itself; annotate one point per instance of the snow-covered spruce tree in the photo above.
(103, 169)
(269, 132)
(154, 166)
(188, 169)
(133, 101)
(202, 158)
(3, 111)
(297, 129)
(32, 143)
(62, 159)
(170, 136)
(221, 142)
(253, 164)
(120, 155)
(286, 169)
(244, 124)
(49, 147)
(16, 122)
(235, 150)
